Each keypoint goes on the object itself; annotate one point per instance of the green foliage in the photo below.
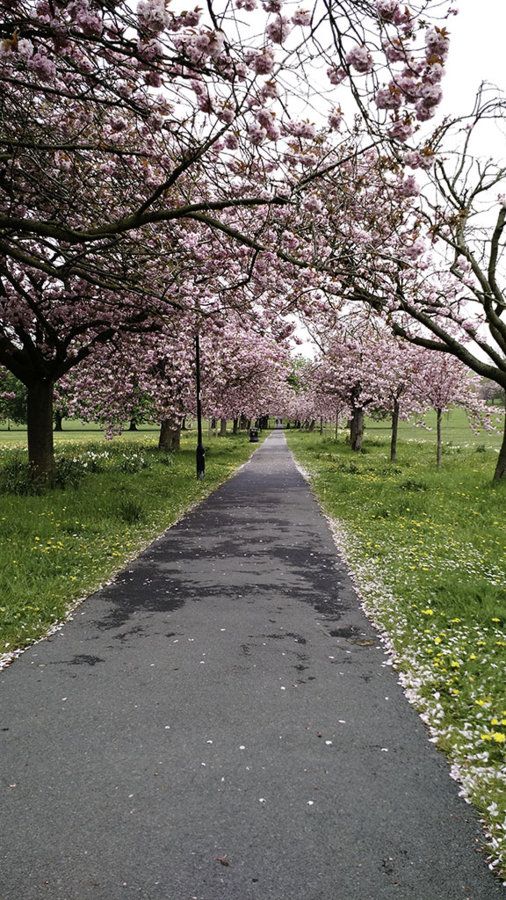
(130, 511)
(68, 472)
(12, 398)
(412, 485)
(16, 477)
(133, 462)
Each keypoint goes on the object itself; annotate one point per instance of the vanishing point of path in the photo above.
(220, 724)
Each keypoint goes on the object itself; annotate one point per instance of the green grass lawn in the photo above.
(456, 430)
(59, 546)
(428, 549)
(74, 430)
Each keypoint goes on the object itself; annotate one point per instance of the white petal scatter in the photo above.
(470, 748)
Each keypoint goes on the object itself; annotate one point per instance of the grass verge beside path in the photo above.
(428, 550)
(60, 546)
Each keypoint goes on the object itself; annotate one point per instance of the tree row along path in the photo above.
(220, 722)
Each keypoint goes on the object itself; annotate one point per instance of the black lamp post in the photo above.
(200, 453)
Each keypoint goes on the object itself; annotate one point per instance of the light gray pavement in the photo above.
(226, 698)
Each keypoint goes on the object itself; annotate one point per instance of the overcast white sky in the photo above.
(477, 52)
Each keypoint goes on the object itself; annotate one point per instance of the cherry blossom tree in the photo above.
(121, 127)
(402, 391)
(445, 382)
(436, 273)
(136, 104)
(351, 370)
(241, 371)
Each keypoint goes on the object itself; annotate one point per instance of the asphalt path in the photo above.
(220, 723)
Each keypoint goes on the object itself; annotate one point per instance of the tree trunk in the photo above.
(133, 425)
(500, 469)
(311, 425)
(39, 423)
(357, 428)
(170, 436)
(439, 416)
(58, 419)
(321, 424)
(223, 428)
(395, 429)
(243, 423)
(337, 425)
(183, 424)
(235, 427)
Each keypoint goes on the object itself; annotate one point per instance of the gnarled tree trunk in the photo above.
(223, 428)
(39, 422)
(170, 436)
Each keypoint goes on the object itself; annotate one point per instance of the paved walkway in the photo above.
(219, 724)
